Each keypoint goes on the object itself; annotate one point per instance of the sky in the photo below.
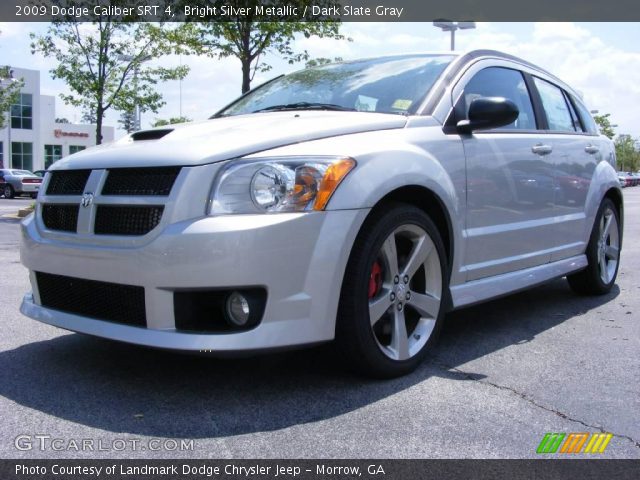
(600, 60)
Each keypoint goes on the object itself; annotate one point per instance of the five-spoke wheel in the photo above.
(603, 253)
(391, 305)
(406, 299)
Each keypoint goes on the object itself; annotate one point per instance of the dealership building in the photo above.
(31, 139)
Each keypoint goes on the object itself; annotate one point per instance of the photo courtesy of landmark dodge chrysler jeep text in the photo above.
(357, 201)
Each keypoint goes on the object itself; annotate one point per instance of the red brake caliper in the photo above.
(375, 280)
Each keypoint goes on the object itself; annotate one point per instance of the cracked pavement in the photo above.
(503, 374)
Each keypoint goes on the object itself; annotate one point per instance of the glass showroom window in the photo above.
(22, 155)
(22, 112)
(1, 155)
(52, 153)
(75, 149)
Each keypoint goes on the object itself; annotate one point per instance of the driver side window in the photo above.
(502, 82)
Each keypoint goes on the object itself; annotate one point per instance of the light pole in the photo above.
(8, 81)
(447, 26)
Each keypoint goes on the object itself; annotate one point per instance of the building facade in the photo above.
(32, 140)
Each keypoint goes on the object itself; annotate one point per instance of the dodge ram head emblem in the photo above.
(87, 199)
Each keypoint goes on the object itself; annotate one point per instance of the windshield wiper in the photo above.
(305, 106)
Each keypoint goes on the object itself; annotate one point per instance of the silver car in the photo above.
(19, 182)
(358, 201)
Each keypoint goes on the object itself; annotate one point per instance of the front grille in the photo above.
(126, 220)
(140, 181)
(60, 217)
(68, 182)
(100, 300)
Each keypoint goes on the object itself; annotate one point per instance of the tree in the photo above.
(627, 155)
(9, 90)
(249, 40)
(161, 122)
(88, 116)
(61, 120)
(128, 121)
(103, 64)
(605, 125)
(316, 62)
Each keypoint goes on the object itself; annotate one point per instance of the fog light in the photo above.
(237, 309)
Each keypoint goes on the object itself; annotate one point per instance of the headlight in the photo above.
(282, 184)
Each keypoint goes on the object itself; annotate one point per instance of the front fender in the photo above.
(384, 172)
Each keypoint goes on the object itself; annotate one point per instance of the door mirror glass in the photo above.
(486, 113)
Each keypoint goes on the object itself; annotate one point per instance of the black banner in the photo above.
(319, 10)
(319, 469)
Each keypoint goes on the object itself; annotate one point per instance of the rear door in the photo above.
(576, 152)
(510, 184)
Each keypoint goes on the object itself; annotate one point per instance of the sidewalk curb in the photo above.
(12, 216)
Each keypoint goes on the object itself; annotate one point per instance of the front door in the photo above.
(510, 183)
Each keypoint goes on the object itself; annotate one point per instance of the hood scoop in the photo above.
(150, 134)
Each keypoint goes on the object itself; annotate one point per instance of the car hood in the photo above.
(227, 137)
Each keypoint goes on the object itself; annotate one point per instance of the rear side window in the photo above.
(555, 106)
(588, 124)
(575, 120)
(507, 83)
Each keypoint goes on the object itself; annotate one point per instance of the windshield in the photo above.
(383, 85)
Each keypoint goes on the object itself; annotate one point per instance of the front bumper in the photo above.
(298, 258)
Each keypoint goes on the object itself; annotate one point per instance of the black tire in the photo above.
(8, 191)
(34, 195)
(589, 281)
(355, 335)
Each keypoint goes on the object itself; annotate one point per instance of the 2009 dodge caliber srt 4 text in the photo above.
(357, 201)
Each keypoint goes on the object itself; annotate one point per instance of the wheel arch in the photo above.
(430, 203)
(615, 195)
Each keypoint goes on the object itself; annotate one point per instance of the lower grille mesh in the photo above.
(116, 220)
(60, 217)
(100, 300)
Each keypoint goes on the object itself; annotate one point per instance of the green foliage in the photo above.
(161, 122)
(627, 154)
(604, 123)
(249, 40)
(9, 90)
(316, 62)
(89, 117)
(103, 64)
(128, 121)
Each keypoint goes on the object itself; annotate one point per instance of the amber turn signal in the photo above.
(330, 181)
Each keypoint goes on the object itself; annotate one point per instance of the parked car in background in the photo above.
(19, 182)
(631, 179)
(40, 173)
(357, 201)
(622, 179)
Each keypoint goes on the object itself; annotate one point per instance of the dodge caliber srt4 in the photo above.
(357, 201)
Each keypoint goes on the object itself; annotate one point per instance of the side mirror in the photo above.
(486, 113)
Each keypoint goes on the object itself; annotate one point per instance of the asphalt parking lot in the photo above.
(504, 374)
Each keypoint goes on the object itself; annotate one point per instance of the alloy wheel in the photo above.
(405, 291)
(608, 245)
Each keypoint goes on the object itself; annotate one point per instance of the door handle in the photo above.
(591, 149)
(540, 149)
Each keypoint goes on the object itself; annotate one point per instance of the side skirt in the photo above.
(492, 287)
